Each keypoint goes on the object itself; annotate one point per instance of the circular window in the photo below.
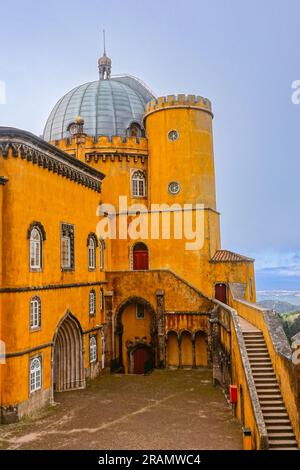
(174, 187)
(173, 135)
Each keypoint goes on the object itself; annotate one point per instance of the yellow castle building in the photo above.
(111, 259)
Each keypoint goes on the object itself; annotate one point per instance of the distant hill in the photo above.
(279, 306)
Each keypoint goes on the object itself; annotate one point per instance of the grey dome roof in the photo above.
(107, 107)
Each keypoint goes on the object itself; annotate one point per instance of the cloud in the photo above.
(285, 264)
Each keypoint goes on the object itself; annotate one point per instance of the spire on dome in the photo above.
(104, 63)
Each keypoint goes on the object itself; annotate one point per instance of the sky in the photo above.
(242, 55)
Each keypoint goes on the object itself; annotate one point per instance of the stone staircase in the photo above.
(279, 429)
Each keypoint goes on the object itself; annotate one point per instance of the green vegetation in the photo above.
(291, 323)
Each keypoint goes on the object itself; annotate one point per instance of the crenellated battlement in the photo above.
(179, 101)
(125, 144)
(104, 148)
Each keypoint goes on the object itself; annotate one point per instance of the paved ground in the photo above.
(165, 410)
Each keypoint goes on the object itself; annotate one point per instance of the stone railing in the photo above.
(231, 366)
(280, 353)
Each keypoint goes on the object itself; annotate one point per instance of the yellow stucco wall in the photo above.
(35, 194)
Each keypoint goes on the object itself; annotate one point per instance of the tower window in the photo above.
(35, 313)
(135, 130)
(92, 303)
(173, 135)
(35, 374)
(138, 183)
(67, 247)
(93, 349)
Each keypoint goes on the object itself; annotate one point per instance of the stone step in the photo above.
(282, 443)
(279, 428)
(269, 373)
(278, 422)
(252, 333)
(251, 343)
(276, 396)
(273, 401)
(276, 408)
(258, 360)
(282, 435)
(257, 355)
(269, 386)
(262, 370)
(276, 415)
(267, 378)
(260, 365)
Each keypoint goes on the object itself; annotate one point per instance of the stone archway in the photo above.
(68, 364)
(119, 360)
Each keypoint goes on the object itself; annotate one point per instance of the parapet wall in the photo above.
(179, 101)
(103, 143)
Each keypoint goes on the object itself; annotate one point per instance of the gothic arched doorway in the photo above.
(135, 337)
(68, 365)
(140, 257)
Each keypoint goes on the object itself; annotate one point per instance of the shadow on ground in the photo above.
(167, 409)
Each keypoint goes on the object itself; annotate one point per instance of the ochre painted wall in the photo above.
(35, 194)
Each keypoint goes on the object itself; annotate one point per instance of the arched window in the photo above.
(135, 130)
(92, 253)
(140, 258)
(35, 257)
(35, 374)
(35, 313)
(92, 244)
(102, 260)
(138, 183)
(93, 349)
(92, 303)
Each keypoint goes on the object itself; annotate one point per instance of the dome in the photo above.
(107, 107)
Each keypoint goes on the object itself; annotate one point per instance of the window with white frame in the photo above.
(35, 374)
(67, 247)
(138, 183)
(93, 349)
(92, 303)
(102, 254)
(92, 253)
(35, 313)
(35, 249)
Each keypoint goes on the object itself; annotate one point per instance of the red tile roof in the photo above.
(226, 256)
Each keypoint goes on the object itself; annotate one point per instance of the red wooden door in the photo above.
(140, 257)
(221, 293)
(140, 357)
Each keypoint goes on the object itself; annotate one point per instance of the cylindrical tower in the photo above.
(181, 161)
(181, 171)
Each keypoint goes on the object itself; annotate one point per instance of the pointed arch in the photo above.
(67, 358)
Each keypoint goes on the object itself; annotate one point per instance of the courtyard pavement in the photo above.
(167, 409)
